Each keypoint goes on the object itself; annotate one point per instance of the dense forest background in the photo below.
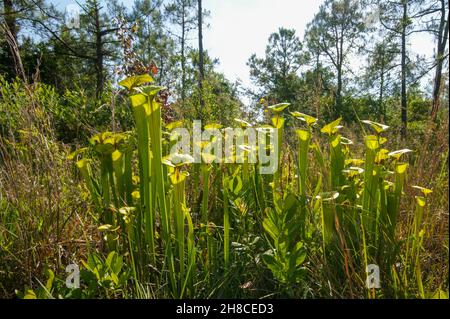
(58, 87)
(314, 74)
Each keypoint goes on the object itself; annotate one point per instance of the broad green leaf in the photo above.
(213, 126)
(354, 161)
(328, 196)
(114, 278)
(277, 122)
(30, 294)
(310, 121)
(243, 123)
(127, 210)
(74, 154)
(178, 159)
(175, 124)
(178, 176)
(400, 168)
(106, 227)
(440, 294)
(278, 108)
(104, 148)
(425, 191)
(303, 135)
(110, 259)
(300, 258)
(135, 80)
(150, 90)
(332, 128)
(272, 264)
(420, 201)
(82, 163)
(138, 99)
(136, 195)
(346, 141)
(117, 264)
(235, 184)
(399, 153)
(352, 171)
(382, 140)
(377, 127)
(116, 155)
(382, 155)
(335, 140)
(208, 158)
(51, 276)
(372, 142)
(270, 227)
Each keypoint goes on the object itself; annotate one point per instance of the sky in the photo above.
(239, 28)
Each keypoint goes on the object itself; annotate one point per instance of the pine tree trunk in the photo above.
(338, 109)
(201, 71)
(442, 42)
(403, 66)
(183, 58)
(99, 53)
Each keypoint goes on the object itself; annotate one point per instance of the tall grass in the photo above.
(357, 199)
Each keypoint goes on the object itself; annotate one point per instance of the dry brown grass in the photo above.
(44, 220)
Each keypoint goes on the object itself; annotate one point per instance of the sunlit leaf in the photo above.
(346, 141)
(310, 121)
(372, 142)
(136, 195)
(425, 191)
(74, 154)
(149, 90)
(82, 163)
(399, 153)
(278, 108)
(352, 169)
(332, 128)
(178, 176)
(213, 126)
(135, 80)
(208, 158)
(303, 135)
(243, 123)
(377, 127)
(105, 227)
(116, 155)
(420, 201)
(354, 161)
(328, 196)
(30, 294)
(277, 121)
(400, 168)
(382, 155)
(175, 124)
(178, 159)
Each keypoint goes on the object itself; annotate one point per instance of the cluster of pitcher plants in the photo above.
(179, 225)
